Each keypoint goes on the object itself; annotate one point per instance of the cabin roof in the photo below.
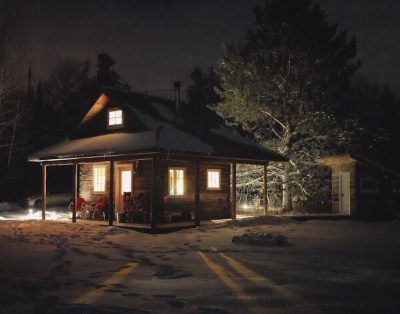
(162, 132)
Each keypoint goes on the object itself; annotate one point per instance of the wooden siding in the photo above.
(373, 205)
(142, 177)
(214, 203)
(86, 181)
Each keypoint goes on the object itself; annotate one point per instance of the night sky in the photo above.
(157, 41)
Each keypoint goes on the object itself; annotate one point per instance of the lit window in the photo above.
(99, 178)
(126, 178)
(176, 181)
(115, 117)
(213, 178)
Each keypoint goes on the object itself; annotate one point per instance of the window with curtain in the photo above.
(99, 178)
(176, 181)
(214, 179)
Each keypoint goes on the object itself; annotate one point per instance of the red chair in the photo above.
(80, 207)
(98, 208)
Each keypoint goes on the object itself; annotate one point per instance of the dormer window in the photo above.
(115, 118)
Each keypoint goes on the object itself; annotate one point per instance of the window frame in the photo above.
(94, 178)
(219, 179)
(115, 126)
(184, 182)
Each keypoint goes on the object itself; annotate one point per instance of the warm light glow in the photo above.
(99, 178)
(176, 181)
(115, 117)
(245, 206)
(126, 181)
(213, 178)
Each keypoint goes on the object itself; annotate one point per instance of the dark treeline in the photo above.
(36, 113)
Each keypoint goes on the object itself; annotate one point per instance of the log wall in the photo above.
(214, 204)
(86, 181)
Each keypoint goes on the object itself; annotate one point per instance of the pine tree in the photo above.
(201, 94)
(283, 85)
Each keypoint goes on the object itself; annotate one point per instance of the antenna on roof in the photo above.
(177, 88)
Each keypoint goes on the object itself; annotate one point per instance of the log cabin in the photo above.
(173, 162)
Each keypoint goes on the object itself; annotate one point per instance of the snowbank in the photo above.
(258, 221)
(257, 238)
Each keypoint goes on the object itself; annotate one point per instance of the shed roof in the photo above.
(335, 160)
(161, 132)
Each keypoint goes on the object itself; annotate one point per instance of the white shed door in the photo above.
(344, 193)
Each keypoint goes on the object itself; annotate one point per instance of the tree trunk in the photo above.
(286, 193)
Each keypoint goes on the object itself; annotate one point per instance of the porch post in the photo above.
(265, 196)
(111, 195)
(233, 190)
(153, 211)
(197, 195)
(75, 191)
(44, 191)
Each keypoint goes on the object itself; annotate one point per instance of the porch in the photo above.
(153, 191)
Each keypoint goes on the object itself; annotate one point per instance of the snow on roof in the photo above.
(162, 133)
(163, 111)
(98, 145)
(163, 136)
(232, 135)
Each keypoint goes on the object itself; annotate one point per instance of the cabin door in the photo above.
(123, 183)
(344, 193)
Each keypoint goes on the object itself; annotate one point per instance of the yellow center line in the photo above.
(95, 294)
(261, 280)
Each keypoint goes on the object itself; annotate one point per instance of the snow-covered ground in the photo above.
(88, 267)
(13, 211)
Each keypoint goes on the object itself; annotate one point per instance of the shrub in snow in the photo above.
(255, 238)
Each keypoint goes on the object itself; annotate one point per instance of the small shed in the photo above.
(362, 188)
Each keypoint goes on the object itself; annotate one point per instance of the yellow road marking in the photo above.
(260, 280)
(117, 277)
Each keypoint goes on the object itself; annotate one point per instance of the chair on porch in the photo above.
(98, 208)
(81, 208)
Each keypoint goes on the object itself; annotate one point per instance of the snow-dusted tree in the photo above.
(282, 85)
